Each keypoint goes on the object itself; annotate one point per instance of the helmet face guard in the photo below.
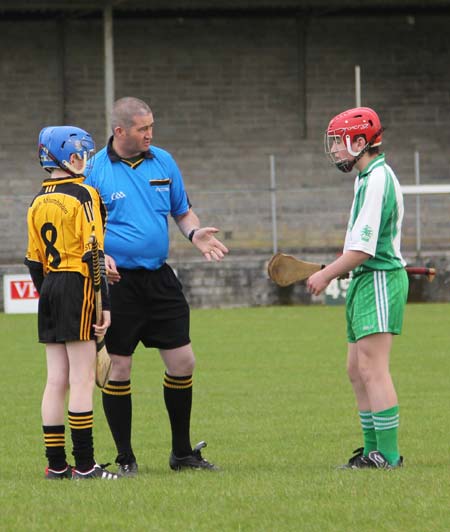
(344, 129)
(58, 143)
(336, 150)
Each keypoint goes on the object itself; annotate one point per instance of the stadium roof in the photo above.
(90, 7)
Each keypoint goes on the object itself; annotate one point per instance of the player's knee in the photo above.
(179, 361)
(190, 366)
(82, 380)
(181, 365)
(353, 372)
(58, 385)
(181, 369)
(120, 367)
(366, 374)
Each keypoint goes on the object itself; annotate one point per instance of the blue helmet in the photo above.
(58, 143)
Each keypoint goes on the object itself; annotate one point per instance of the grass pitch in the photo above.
(272, 400)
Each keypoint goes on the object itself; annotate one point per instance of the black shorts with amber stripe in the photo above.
(66, 308)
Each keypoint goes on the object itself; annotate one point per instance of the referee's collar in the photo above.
(114, 157)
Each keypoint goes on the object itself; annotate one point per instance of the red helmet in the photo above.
(348, 125)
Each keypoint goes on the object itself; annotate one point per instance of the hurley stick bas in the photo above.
(103, 361)
(285, 270)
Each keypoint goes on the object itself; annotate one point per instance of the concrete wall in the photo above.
(243, 281)
(226, 93)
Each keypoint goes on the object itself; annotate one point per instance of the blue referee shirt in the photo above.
(138, 197)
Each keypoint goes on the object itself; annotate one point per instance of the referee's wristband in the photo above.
(191, 234)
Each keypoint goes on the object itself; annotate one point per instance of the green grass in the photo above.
(272, 399)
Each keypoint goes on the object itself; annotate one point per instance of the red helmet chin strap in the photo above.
(369, 144)
(347, 166)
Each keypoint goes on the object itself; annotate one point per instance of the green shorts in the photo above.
(376, 303)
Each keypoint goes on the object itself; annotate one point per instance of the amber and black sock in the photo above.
(116, 396)
(81, 424)
(55, 446)
(178, 399)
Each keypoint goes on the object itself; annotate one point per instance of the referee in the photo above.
(141, 186)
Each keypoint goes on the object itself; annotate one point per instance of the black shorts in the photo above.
(66, 308)
(147, 306)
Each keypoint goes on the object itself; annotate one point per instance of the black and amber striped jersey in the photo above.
(61, 219)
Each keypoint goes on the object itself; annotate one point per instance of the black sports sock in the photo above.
(178, 399)
(55, 451)
(81, 424)
(116, 396)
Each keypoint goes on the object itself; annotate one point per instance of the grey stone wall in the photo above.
(242, 281)
(227, 92)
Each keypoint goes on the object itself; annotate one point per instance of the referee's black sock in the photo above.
(116, 396)
(55, 446)
(178, 399)
(81, 424)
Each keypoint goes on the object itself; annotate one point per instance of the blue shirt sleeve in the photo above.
(179, 203)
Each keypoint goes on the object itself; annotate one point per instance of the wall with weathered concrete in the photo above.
(226, 93)
(243, 281)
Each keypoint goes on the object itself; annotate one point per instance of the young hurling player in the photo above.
(379, 287)
(61, 219)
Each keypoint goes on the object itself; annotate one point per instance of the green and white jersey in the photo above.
(376, 218)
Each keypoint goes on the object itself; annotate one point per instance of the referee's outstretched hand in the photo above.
(208, 244)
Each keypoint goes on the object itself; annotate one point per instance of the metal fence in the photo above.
(307, 220)
(311, 220)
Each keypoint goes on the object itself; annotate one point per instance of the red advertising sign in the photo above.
(23, 290)
(19, 294)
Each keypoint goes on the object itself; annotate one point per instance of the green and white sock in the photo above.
(386, 427)
(368, 428)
